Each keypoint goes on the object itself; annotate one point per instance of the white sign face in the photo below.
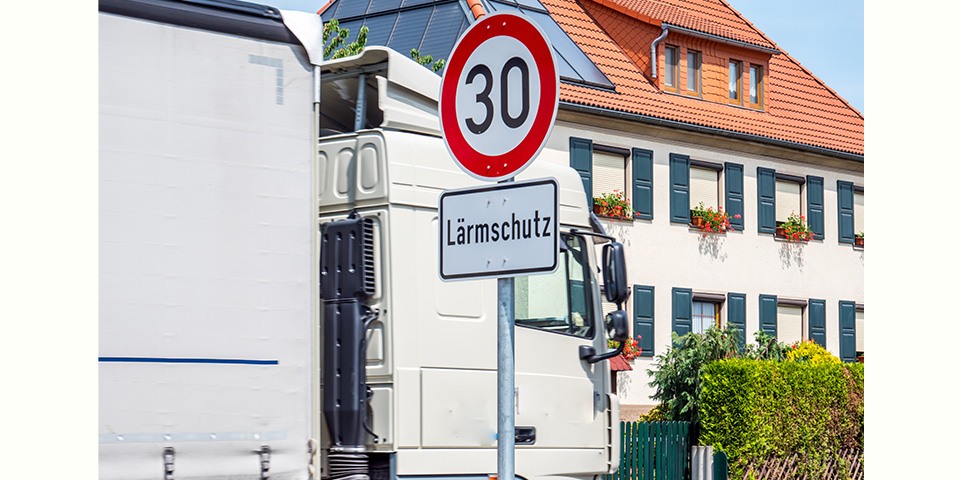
(499, 96)
(505, 230)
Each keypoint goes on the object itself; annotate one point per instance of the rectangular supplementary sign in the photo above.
(504, 230)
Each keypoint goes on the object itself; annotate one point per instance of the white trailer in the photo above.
(221, 191)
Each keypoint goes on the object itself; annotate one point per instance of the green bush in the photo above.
(753, 408)
(676, 373)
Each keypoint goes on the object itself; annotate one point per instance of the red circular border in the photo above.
(529, 35)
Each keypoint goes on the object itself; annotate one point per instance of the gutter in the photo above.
(636, 117)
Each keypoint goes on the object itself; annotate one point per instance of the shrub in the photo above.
(656, 414)
(753, 408)
(810, 352)
(676, 373)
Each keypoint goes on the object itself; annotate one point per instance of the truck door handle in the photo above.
(525, 435)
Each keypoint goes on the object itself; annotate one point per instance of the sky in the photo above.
(825, 36)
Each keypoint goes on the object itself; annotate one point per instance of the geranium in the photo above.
(714, 221)
(796, 229)
(615, 204)
(631, 349)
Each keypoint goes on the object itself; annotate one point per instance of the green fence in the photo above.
(653, 451)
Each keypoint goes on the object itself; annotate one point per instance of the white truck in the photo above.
(270, 304)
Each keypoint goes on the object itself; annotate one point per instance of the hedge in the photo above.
(752, 408)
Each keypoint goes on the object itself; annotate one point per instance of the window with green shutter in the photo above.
(581, 160)
(768, 314)
(643, 183)
(845, 211)
(817, 321)
(679, 188)
(766, 200)
(815, 205)
(643, 318)
(737, 314)
(733, 189)
(682, 311)
(848, 331)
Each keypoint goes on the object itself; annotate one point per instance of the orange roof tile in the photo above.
(618, 364)
(799, 107)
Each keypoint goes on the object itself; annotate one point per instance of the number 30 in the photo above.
(484, 96)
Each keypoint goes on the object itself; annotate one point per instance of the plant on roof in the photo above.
(337, 37)
(615, 205)
(714, 221)
(425, 60)
(796, 228)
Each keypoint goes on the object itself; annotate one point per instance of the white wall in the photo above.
(667, 255)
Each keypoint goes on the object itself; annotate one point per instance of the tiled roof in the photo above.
(619, 364)
(715, 18)
(799, 108)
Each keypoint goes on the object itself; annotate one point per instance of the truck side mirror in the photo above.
(615, 287)
(618, 324)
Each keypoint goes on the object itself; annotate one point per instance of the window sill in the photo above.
(695, 229)
(608, 217)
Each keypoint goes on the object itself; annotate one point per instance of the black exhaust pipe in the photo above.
(346, 276)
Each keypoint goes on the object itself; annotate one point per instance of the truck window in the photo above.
(560, 301)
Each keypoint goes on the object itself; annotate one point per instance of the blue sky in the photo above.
(825, 36)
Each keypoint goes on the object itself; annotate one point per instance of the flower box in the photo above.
(709, 220)
(795, 229)
(858, 241)
(614, 205)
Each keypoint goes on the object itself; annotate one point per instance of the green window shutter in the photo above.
(766, 200)
(643, 183)
(679, 188)
(643, 318)
(682, 311)
(817, 315)
(733, 200)
(848, 331)
(768, 314)
(581, 160)
(845, 210)
(737, 314)
(815, 205)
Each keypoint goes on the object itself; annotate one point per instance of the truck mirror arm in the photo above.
(589, 354)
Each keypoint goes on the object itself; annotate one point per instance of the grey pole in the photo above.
(505, 377)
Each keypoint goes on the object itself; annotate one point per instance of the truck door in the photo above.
(558, 394)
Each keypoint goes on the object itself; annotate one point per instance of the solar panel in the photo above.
(443, 31)
(433, 27)
(409, 31)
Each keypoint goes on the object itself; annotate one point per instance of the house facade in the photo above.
(677, 103)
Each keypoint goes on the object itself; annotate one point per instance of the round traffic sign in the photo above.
(498, 96)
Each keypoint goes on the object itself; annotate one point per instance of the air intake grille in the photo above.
(369, 285)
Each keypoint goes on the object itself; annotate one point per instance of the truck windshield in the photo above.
(558, 302)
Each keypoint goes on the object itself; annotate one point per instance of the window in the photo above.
(704, 187)
(857, 210)
(705, 315)
(558, 302)
(670, 69)
(693, 73)
(756, 86)
(610, 170)
(859, 328)
(850, 211)
(734, 83)
(789, 323)
(603, 168)
(788, 199)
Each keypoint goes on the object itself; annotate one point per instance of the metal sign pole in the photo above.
(505, 377)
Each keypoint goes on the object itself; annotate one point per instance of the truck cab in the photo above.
(430, 353)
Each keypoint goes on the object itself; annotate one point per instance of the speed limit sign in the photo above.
(498, 96)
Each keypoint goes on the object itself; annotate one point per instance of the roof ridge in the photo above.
(795, 61)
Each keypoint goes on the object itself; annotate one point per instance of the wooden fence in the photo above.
(653, 451)
(782, 468)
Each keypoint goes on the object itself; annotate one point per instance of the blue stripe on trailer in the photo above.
(233, 361)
